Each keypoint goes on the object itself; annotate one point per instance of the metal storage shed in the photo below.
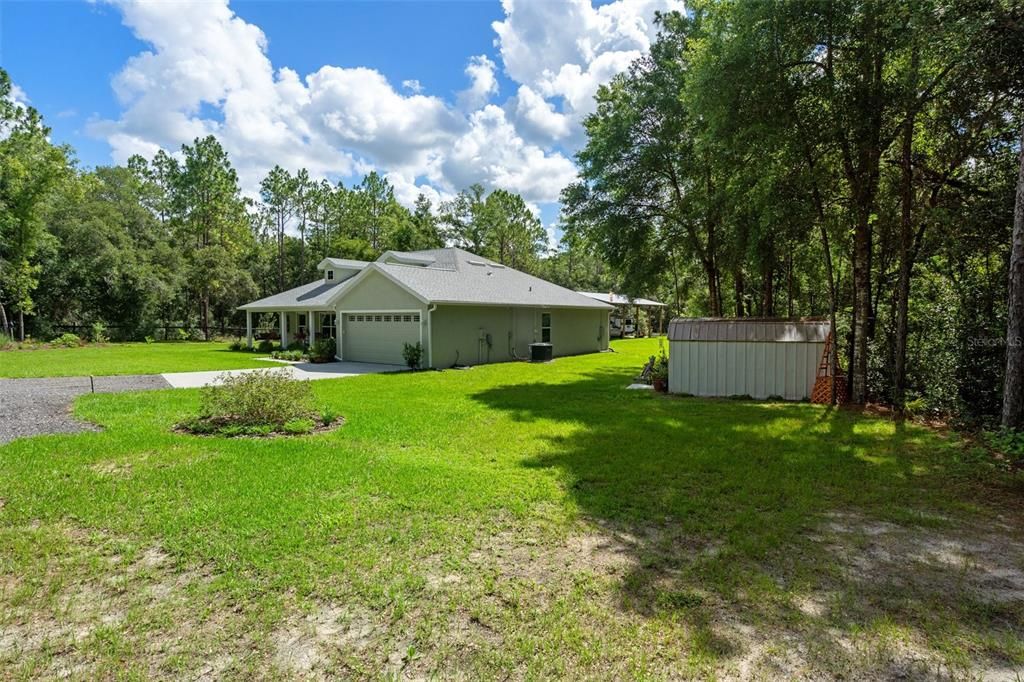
(761, 358)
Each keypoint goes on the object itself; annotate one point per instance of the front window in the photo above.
(327, 325)
(330, 275)
(545, 327)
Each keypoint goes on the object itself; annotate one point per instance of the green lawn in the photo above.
(523, 521)
(126, 358)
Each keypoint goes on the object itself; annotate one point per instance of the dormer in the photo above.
(340, 269)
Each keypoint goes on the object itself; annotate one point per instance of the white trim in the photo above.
(383, 311)
(430, 336)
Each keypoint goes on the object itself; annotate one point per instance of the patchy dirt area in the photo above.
(884, 601)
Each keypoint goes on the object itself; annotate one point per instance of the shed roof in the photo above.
(764, 330)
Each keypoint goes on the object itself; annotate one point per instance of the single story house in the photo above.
(464, 309)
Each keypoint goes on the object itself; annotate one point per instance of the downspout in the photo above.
(430, 337)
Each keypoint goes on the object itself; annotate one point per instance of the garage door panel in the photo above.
(379, 336)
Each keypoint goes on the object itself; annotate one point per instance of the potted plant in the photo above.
(659, 377)
(659, 371)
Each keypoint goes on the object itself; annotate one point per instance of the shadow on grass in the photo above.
(808, 525)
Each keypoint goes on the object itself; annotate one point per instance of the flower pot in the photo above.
(660, 385)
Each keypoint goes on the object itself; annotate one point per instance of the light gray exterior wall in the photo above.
(378, 293)
(733, 368)
(456, 332)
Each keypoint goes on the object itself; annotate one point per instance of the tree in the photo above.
(461, 219)
(512, 235)
(211, 220)
(30, 169)
(277, 191)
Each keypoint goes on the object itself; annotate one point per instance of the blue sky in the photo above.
(435, 95)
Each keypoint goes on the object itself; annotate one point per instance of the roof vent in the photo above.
(497, 265)
(476, 262)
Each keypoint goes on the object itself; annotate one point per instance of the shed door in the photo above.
(379, 336)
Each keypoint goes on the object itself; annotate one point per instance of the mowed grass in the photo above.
(126, 358)
(514, 520)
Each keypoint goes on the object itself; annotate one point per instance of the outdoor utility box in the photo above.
(541, 352)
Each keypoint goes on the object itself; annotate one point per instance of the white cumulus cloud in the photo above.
(207, 71)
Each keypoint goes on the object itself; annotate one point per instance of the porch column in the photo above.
(311, 327)
(248, 328)
(284, 329)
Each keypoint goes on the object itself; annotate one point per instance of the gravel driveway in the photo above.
(30, 407)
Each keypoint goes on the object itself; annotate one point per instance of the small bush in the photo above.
(265, 346)
(264, 397)
(298, 426)
(323, 350)
(6, 341)
(150, 339)
(413, 354)
(327, 416)
(99, 333)
(1007, 441)
(237, 345)
(67, 340)
(181, 335)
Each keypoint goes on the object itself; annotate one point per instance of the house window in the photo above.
(545, 327)
(327, 325)
(330, 275)
(302, 325)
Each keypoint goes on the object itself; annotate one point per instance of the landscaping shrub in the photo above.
(413, 354)
(263, 397)
(259, 403)
(99, 333)
(237, 345)
(67, 340)
(265, 346)
(323, 350)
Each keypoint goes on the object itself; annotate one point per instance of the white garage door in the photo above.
(379, 336)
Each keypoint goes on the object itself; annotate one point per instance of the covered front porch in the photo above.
(298, 328)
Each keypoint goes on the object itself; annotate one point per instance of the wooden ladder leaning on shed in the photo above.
(827, 374)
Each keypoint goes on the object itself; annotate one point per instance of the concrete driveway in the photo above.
(298, 370)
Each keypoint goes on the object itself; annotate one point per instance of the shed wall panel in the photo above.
(757, 369)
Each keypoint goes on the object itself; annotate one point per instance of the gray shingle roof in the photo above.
(458, 276)
(452, 276)
(747, 329)
(315, 295)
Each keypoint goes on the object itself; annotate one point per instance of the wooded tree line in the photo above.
(173, 242)
(849, 158)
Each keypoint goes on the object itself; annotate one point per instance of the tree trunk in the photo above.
(205, 310)
(738, 286)
(21, 326)
(714, 292)
(4, 326)
(906, 266)
(861, 307)
(1013, 386)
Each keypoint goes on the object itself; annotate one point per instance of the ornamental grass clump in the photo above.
(257, 403)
